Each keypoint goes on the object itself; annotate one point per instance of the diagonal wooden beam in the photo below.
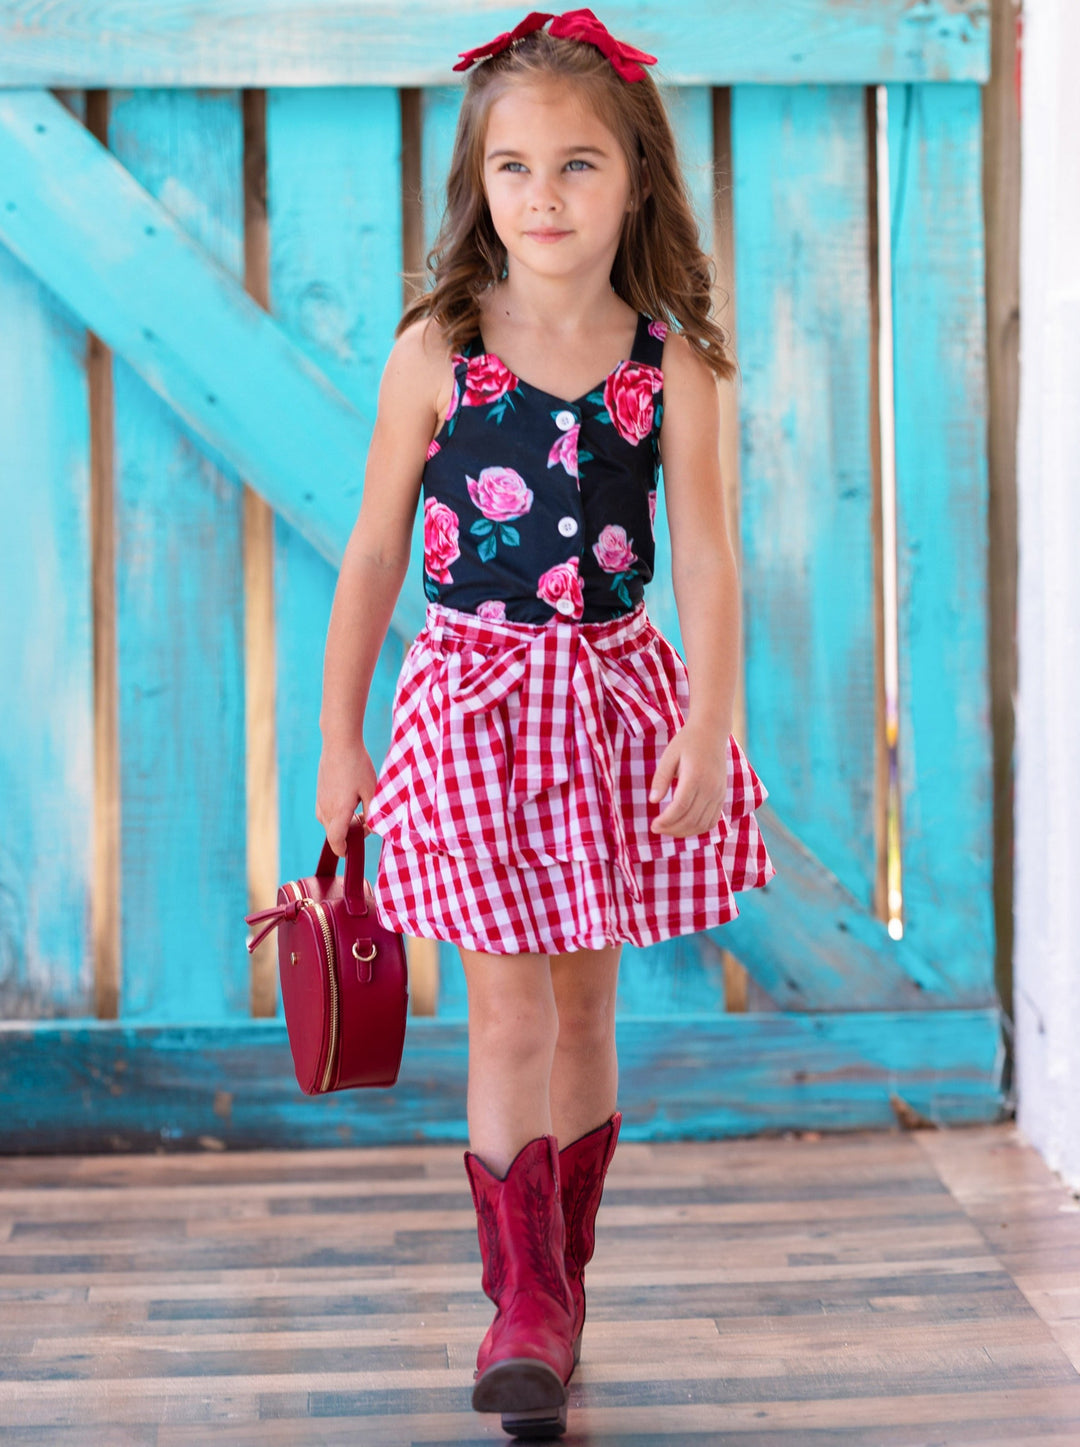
(120, 261)
(813, 946)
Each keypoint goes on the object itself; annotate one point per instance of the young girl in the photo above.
(558, 780)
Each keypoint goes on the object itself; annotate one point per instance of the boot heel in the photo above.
(539, 1426)
(519, 1387)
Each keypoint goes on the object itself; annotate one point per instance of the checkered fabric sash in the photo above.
(556, 668)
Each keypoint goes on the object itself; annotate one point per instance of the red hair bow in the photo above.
(536, 21)
(574, 25)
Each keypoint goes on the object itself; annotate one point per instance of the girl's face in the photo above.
(556, 181)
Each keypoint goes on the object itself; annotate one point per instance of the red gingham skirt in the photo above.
(513, 799)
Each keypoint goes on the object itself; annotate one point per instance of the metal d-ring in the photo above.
(358, 956)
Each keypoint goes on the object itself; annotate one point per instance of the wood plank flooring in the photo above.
(894, 1289)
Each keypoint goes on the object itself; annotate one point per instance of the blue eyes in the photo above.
(516, 167)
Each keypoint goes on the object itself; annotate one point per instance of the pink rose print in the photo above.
(563, 581)
(487, 380)
(500, 493)
(494, 610)
(613, 552)
(652, 511)
(565, 450)
(628, 397)
(433, 447)
(658, 330)
(440, 539)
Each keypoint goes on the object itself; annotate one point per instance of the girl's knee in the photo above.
(511, 1025)
(511, 1003)
(587, 1025)
(586, 986)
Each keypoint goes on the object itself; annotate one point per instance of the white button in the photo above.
(564, 605)
(568, 527)
(564, 421)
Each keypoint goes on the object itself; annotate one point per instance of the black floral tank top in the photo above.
(536, 507)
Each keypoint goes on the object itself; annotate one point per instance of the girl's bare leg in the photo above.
(513, 1027)
(585, 1072)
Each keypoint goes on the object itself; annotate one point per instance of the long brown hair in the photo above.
(659, 268)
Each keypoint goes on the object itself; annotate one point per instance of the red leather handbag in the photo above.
(344, 983)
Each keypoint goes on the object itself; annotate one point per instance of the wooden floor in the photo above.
(909, 1288)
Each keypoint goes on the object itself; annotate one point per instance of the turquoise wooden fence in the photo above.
(205, 211)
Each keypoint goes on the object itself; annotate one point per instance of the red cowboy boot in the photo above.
(583, 1165)
(526, 1358)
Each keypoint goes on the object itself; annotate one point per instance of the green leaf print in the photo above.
(510, 536)
(498, 411)
(618, 585)
(482, 527)
(486, 549)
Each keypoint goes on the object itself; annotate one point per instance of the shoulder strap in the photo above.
(647, 348)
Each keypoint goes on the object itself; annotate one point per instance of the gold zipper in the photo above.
(331, 961)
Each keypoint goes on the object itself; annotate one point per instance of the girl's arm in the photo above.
(413, 393)
(706, 585)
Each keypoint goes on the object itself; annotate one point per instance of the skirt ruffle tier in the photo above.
(513, 800)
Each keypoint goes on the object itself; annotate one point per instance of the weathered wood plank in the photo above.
(335, 253)
(802, 266)
(682, 975)
(1002, 192)
(46, 654)
(946, 778)
(439, 106)
(130, 1087)
(180, 623)
(812, 946)
(309, 43)
(1019, 1417)
(77, 218)
(691, 110)
(260, 650)
(825, 1289)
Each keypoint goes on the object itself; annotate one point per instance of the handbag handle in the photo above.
(355, 860)
(355, 894)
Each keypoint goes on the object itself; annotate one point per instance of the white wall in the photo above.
(1047, 850)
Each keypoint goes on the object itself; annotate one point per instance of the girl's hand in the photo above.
(346, 776)
(699, 757)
